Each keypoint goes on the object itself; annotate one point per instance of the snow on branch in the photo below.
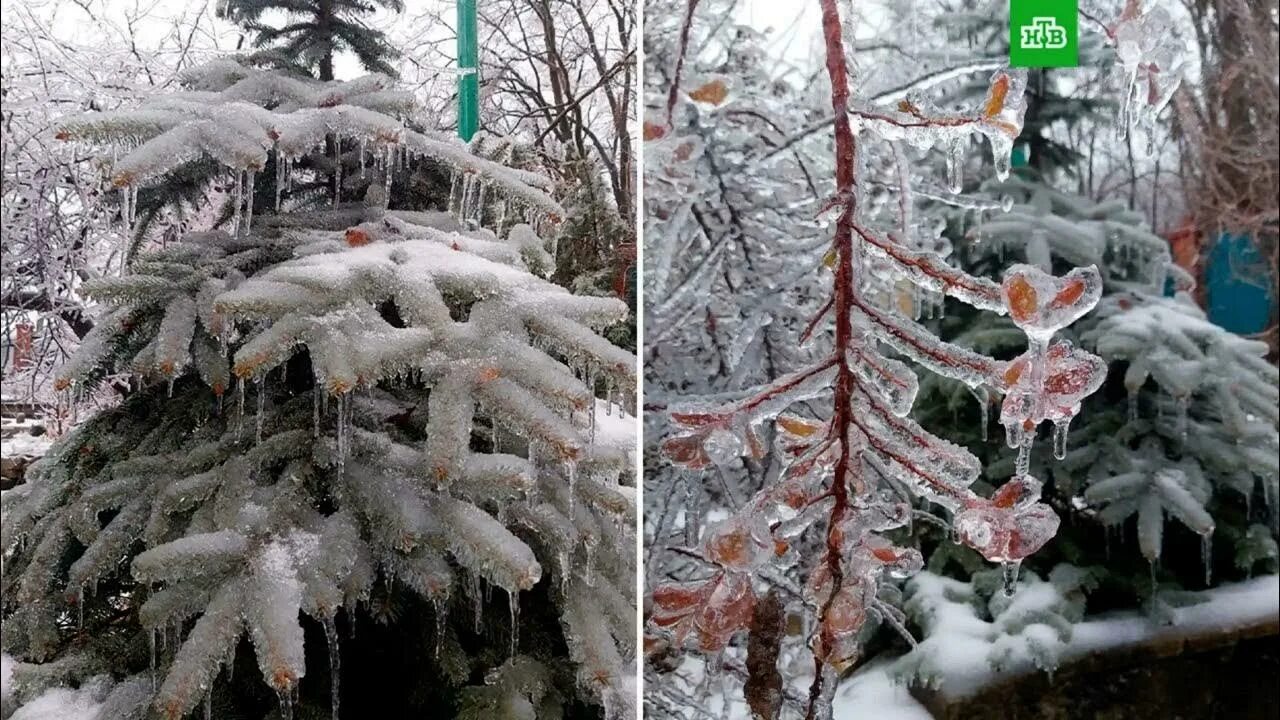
(239, 116)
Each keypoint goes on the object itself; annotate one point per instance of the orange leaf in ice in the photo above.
(731, 548)
(686, 450)
(755, 448)
(1007, 494)
(673, 603)
(884, 554)
(694, 419)
(1069, 294)
(1021, 298)
(712, 93)
(845, 614)
(995, 97)
(654, 131)
(798, 426)
(356, 237)
(1014, 371)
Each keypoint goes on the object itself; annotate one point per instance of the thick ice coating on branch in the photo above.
(846, 458)
(239, 116)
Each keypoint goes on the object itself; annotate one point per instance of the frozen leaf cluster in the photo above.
(1199, 427)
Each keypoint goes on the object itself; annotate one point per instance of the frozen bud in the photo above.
(792, 527)
(740, 543)
(1002, 115)
(727, 610)
(1006, 534)
(1042, 304)
(908, 562)
(882, 516)
(1051, 385)
(1018, 493)
(876, 554)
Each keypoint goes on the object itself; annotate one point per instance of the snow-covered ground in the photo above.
(16, 438)
(873, 693)
(25, 445)
(956, 656)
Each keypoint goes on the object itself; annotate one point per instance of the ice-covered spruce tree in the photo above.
(412, 446)
(855, 461)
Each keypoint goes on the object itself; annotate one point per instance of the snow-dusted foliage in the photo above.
(414, 416)
(972, 628)
(846, 461)
(978, 639)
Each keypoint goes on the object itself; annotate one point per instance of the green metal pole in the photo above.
(468, 71)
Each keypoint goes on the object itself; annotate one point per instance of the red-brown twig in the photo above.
(674, 92)
(846, 151)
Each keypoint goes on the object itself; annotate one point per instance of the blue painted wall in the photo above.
(1241, 290)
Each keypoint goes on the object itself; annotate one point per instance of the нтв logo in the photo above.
(1043, 33)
